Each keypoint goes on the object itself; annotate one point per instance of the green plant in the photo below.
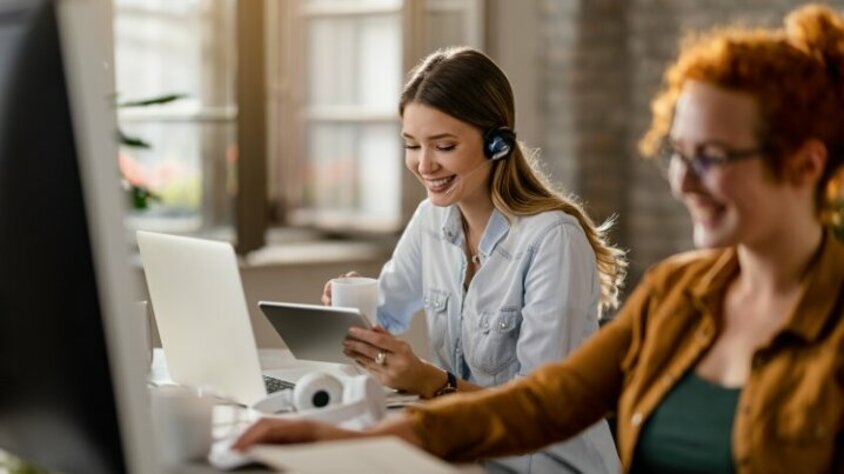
(140, 196)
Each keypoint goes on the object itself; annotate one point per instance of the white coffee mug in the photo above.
(360, 293)
(182, 418)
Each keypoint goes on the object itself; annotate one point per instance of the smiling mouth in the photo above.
(706, 214)
(441, 184)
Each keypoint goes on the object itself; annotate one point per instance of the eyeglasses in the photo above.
(706, 156)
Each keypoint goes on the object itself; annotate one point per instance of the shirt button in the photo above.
(636, 419)
(502, 325)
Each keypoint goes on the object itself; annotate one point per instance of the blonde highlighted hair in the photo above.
(466, 84)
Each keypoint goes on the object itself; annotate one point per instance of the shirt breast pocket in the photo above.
(436, 310)
(498, 335)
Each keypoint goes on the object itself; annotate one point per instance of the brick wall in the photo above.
(602, 63)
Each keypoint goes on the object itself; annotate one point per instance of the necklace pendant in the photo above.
(476, 259)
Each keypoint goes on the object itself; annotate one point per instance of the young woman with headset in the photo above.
(511, 274)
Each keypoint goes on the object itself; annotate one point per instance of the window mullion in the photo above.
(251, 207)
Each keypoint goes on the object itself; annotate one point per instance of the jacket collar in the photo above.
(820, 292)
(817, 295)
(708, 292)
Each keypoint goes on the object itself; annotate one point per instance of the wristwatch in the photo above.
(449, 387)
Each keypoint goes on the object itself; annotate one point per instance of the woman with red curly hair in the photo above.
(728, 358)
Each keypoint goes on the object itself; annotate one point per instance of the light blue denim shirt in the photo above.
(533, 300)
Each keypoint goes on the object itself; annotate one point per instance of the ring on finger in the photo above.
(381, 358)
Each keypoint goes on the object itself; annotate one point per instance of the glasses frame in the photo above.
(701, 162)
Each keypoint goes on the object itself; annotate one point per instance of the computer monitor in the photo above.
(72, 395)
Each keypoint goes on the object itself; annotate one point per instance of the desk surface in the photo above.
(276, 362)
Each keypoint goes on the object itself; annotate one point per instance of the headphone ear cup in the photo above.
(317, 390)
(498, 143)
(366, 390)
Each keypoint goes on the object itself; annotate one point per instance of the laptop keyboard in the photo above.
(274, 385)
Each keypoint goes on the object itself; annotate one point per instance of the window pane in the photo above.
(355, 60)
(189, 169)
(175, 47)
(354, 168)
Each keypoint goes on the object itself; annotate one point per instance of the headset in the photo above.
(499, 142)
(352, 402)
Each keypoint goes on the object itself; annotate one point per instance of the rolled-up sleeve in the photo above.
(400, 282)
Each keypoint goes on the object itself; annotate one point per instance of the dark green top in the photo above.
(690, 431)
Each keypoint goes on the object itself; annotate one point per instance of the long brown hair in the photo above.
(467, 85)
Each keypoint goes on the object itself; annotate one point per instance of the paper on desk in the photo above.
(370, 455)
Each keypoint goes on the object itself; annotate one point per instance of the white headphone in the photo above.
(354, 402)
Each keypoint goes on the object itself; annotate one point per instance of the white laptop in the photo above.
(202, 316)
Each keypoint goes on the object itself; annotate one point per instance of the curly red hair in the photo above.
(795, 73)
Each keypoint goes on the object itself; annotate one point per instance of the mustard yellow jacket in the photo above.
(790, 416)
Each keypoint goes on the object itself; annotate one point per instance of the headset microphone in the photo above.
(472, 171)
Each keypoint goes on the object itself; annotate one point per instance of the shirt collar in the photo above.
(496, 229)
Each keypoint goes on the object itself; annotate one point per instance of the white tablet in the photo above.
(313, 332)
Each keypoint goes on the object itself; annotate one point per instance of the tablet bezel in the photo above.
(313, 332)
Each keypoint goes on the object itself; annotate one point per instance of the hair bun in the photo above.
(819, 30)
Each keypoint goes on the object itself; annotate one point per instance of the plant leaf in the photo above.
(131, 142)
(163, 99)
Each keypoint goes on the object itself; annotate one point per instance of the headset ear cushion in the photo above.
(365, 389)
(317, 390)
(498, 143)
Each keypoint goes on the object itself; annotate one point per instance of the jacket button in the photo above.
(636, 419)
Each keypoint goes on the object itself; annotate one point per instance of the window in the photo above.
(337, 160)
(334, 71)
(187, 48)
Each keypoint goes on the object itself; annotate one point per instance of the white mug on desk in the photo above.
(182, 420)
(360, 293)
